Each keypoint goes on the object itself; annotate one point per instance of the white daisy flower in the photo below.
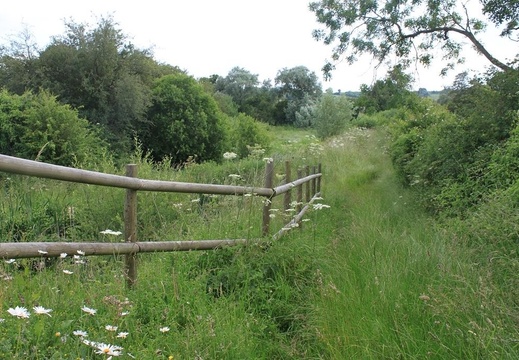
(111, 328)
(89, 310)
(20, 312)
(40, 310)
(164, 329)
(80, 333)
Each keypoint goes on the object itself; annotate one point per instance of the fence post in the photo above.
(299, 205)
(319, 170)
(307, 186)
(288, 179)
(314, 181)
(269, 175)
(130, 227)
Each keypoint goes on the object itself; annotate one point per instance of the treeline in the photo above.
(121, 96)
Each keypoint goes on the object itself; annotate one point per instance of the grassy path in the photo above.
(394, 285)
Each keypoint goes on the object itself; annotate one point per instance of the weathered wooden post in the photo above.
(269, 175)
(314, 181)
(288, 179)
(299, 205)
(307, 186)
(319, 170)
(130, 227)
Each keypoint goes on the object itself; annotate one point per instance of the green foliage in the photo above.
(299, 87)
(184, 121)
(409, 30)
(456, 158)
(390, 93)
(332, 114)
(36, 126)
(245, 132)
(93, 69)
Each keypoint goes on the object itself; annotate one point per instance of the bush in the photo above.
(36, 126)
(332, 113)
(184, 122)
(246, 132)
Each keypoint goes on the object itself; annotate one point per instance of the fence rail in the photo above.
(131, 247)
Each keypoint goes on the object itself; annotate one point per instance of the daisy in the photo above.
(10, 261)
(80, 252)
(164, 329)
(80, 333)
(20, 312)
(107, 349)
(40, 310)
(63, 255)
(111, 328)
(122, 335)
(68, 272)
(89, 310)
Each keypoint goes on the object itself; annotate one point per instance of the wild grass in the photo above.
(371, 277)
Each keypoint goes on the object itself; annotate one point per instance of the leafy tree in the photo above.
(409, 29)
(503, 11)
(299, 87)
(332, 115)
(97, 71)
(184, 121)
(240, 84)
(386, 94)
(19, 63)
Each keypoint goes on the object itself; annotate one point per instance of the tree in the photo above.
(409, 29)
(184, 121)
(99, 72)
(385, 94)
(503, 11)
(332, 114)
(19, 63)
(240, 84)
(299, 87)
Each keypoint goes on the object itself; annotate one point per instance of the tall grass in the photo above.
(395, 284)
(370, 277)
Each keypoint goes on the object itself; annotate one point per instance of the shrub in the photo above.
(246, 132)
(184, 121)
(332, 113)
(36, 126)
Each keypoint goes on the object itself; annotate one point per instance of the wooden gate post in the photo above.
(269, 176)
(130, 227)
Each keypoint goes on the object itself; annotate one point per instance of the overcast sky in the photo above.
(207, 37)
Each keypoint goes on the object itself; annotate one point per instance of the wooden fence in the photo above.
(311, 178)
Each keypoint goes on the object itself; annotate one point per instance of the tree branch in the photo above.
(479, 46)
